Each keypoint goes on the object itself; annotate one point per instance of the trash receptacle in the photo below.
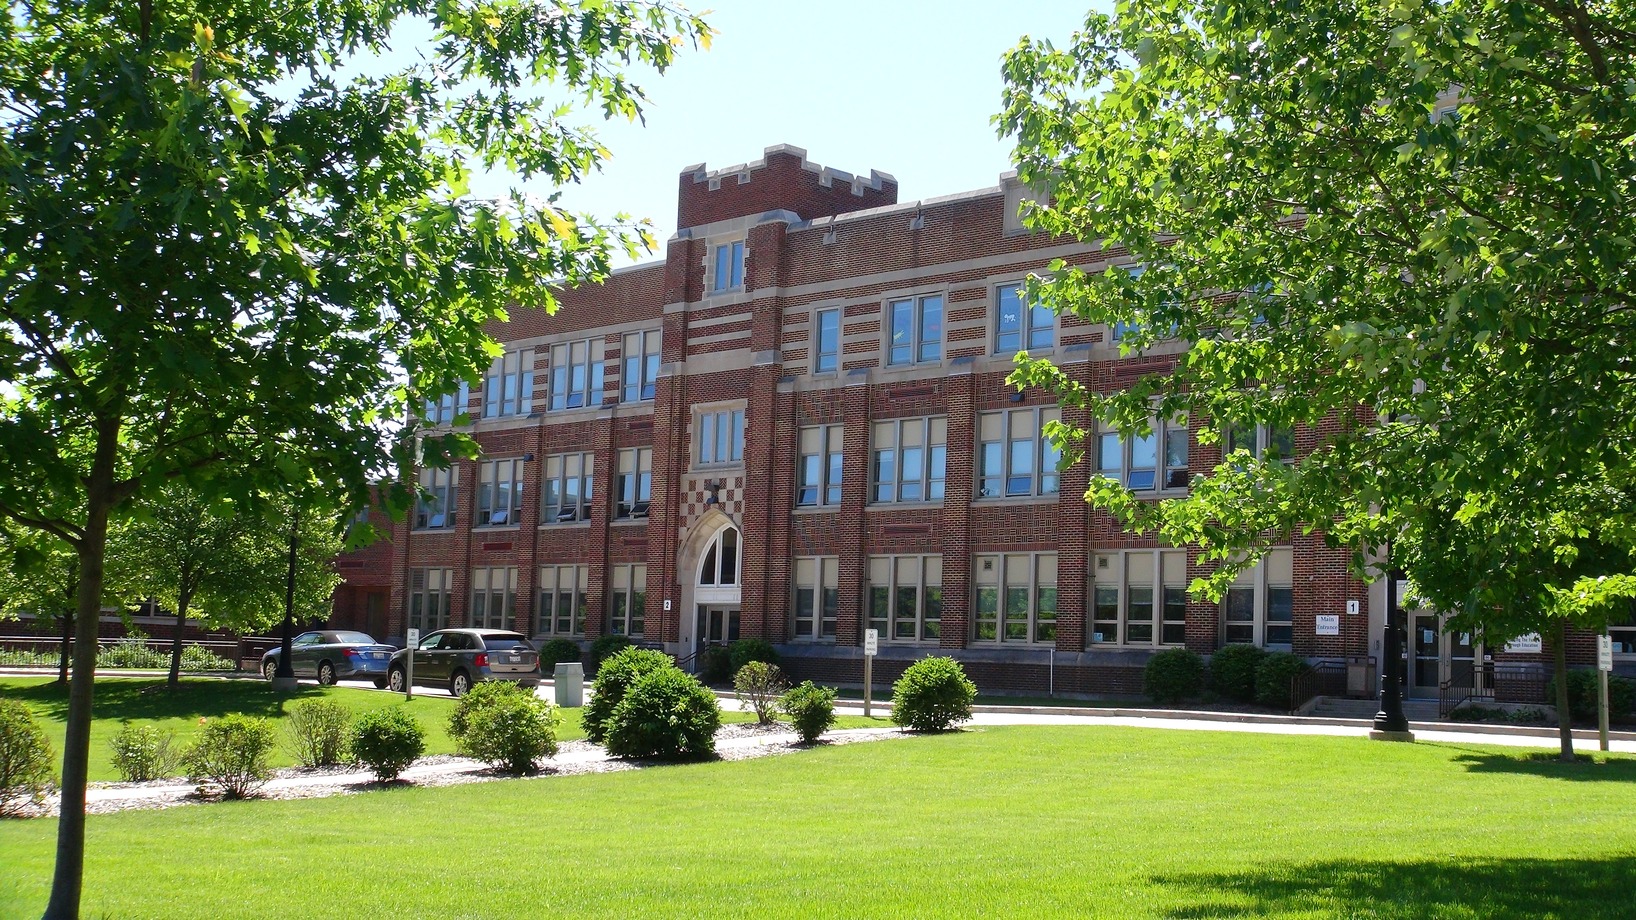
(570, 682)
(1360, 678)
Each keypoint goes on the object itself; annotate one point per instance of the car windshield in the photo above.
(354, 638)
(506, 640)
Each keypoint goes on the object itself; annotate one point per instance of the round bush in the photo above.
(1273, 677)
(484, 694)
(232, 753)
(143, 752)
(318, 732)
(558, 651)
(606, 647)
(615, 676)
(1232, 671)
(1173, 675)
(25, 759)
(758, 685)
(932, 695)
(667, 714)
(387, 741)
(745, 651)
(811, 709)
(716, 665)
(512, 733)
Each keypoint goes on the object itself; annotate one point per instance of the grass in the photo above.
(1000, 822)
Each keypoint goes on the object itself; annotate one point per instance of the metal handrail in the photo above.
(1318, 680)
(1501, 683)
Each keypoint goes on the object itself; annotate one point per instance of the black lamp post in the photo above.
(1390, 723)
(284, 677)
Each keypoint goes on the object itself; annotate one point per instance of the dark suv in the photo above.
(458, 658)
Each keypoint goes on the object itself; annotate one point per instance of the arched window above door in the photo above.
(720, 566)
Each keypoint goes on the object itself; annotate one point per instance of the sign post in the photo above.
(871, 645)
(1604, 664)
(413, 639)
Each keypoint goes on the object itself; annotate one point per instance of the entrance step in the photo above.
(1343, 708)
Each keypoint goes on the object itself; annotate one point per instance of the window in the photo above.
(916, 326)
(641, 368)
(720, 565)
(628, 600)
(445, 409)
(826, 341)
(576, 374)
(568, 484)
(429, 598)
(439, 488)
(1019, 326)
(509, 388)
(817, 598)
(562, 600)
(1014, 457)
(818, 478)
(909, 460)
(727, 262)
(1016, 598)
(1259, 608)
(906, 597)
(1261, 442)
(1624, 634)
(1135, 461)
(500, 492)
(635, 483)
(493, 597)
(721, 437)
(1140, 598)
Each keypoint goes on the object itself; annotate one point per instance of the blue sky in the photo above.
(903, 86)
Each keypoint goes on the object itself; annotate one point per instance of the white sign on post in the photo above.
(871, 645)
(1604, 653)
(413, 638)
(871, 642)
(1329, 624)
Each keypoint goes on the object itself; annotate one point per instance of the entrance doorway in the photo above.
(717, 625)
(714, 591)
(1436, 656)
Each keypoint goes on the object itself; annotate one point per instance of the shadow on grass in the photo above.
(141, 699)
(1546, 765)
(1585, 889)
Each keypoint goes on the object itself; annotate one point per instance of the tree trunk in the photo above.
(67, 642)
(176, 643)
(1564, 712)
(93, 548)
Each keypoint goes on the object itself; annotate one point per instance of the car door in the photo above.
(431, 662)
(456, 653)
(302, 659)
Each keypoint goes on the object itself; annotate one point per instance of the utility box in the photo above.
(570, 682)
(1360, 677)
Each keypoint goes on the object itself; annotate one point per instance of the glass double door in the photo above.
(1436, 656)
(718, 625)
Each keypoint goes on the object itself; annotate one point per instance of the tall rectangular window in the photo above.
(446, 408)
(906, 597)
(568, 484)
(817, 598)
(1261, 441)
(439, 497)
(562, 600)
(909, 459)
(916, 329)
(1019, 325)
(1014, 457)
(1259, 608)
(500, 492)
(639, 373)
(509, 387)
(1139, 598)
(826, 341)
(576, 374)
(635, 483)
(1015, 598)
(429, 598)
(493, 598)
(818, 477)
(1156, 460)
(628, 600)
(720, 436)
(727, 264)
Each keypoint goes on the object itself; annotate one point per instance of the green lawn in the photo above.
(1003, 822)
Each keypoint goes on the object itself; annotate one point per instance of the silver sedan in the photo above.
(331, 655)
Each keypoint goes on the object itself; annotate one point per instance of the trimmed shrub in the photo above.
(25, 759)
(1273, 677)
(232, 753)
(615, 676)
(666, 713)
(143, 752)
(512, 733)
(196, 657)
(745, 651)
(606, 647)
(1232, 671)
(716, 665)
(932, 695)
(558, 651)
(132, 652)
(758, 685)
(1584, 695)
(811, 709)
(317, 733)
(484, 694)
(387, 741)
(1173, 675)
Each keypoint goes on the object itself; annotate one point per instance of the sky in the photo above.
(906, 87)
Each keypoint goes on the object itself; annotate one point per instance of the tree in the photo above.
(39, 574)
(1402, 229)
(223, 248)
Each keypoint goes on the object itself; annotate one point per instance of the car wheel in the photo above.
(459, 684)
(326, 674)
(380, 683)
(395, 680)
(269, 667)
